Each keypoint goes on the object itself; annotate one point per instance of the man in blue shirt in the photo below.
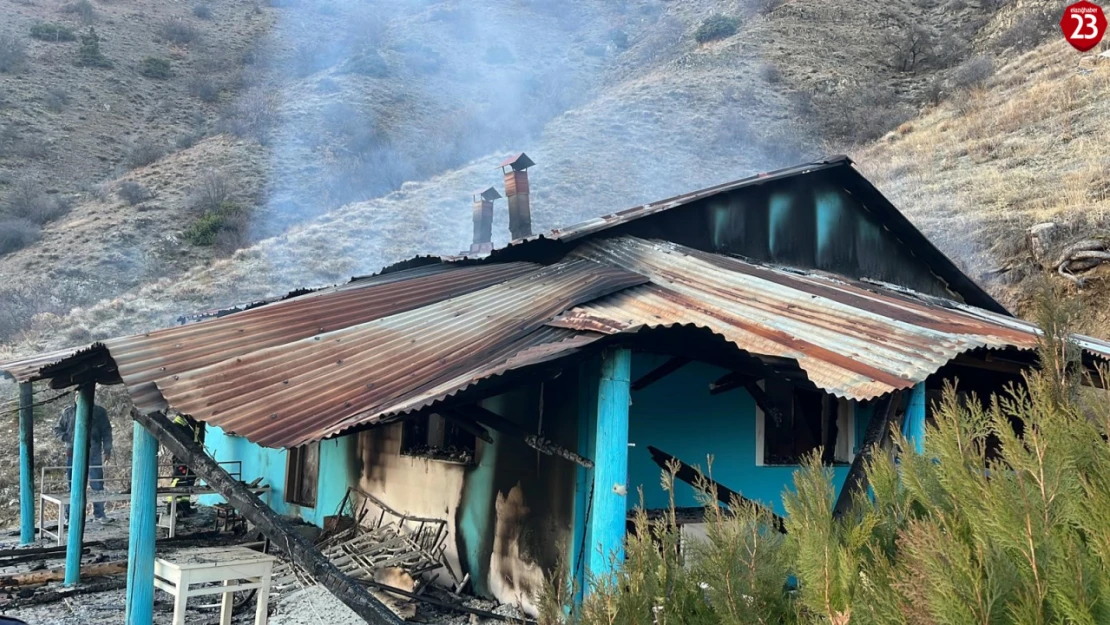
(100, 450)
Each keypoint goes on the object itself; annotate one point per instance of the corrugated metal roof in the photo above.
(142, 358)
(852, 341)
(318, 386)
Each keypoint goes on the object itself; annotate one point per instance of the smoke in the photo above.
(390, 113)
(374, 94)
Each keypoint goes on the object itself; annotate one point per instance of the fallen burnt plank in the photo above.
(445, 604)
(118, 567)
(280, 531)
(501, 424)
(43, 596)
(724, 494)
(31, 551)
(878, 429)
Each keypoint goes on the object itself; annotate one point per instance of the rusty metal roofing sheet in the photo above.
(144, 357)
(293, 392)
(853, 342)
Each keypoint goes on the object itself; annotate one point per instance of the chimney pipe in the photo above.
(516, 190)
(483, 219)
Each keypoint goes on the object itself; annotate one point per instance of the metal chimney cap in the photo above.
(518, 162)
(489, 194)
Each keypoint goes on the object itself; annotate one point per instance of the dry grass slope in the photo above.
(1028, 147)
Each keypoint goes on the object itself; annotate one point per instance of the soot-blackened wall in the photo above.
(809, 223)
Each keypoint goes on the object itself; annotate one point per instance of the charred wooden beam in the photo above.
(731, 381)
(506, 426)
(274, 526)
(447, 605)
(765, 403)
(879, 428)
(476, 429)
(724, 494)
(660, 372)
(118, 567)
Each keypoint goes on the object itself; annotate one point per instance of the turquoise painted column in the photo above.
(26, 465)
(607, 520)
(914, 427)
(141, 536)
(80, 480)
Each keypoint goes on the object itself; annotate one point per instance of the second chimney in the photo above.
(483, 219)
(516, 190)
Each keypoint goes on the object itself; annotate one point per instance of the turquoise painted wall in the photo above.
(270, 464)
(679, 416)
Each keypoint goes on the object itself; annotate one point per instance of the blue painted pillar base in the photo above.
(141, 535)
(26, 465)
(914, 427)
(80, 471)
(606, 530)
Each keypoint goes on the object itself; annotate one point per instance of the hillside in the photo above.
(392, 108)
(1026, 147)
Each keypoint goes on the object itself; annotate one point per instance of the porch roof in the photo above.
(317, 364)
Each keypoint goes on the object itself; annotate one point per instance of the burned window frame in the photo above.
(302, 461)
(433, 437)
(833, 410)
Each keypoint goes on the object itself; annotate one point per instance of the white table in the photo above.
(238, 568)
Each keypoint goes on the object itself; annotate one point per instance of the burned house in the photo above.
(528, 395)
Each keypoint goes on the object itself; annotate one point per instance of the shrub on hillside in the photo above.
(155, 67)
(911, 46)
(53, 32)
(89, 54)
(144, 153)
(16, 234)
(716, 27)
(178, 32)
(204, 89)
(973, 73)
(202, 11)
(56, 99)
(858, 114)
(133, 192)
(13, 53)
(212, 191)
(224, 228)
(27, 201)
(82, 9)
(254, 114)
(770, 73)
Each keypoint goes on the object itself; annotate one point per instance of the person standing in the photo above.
(100, 450)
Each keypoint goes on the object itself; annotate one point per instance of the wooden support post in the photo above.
(142, 536)
(610, 506)
(26, 465)
(856, 481)
(660, 372)
(277, 529)
(86, 395)
(914, 426)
